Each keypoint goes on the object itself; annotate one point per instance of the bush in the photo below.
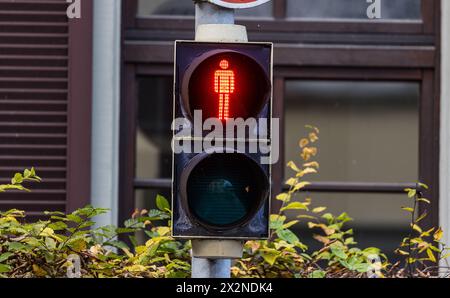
(49, 248)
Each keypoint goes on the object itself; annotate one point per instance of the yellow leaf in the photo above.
(431, 255)
(313, 137)
(403, 253)
(78, 244)
(295, 206)
(306, 216)
(319, 209)
(424, 200)
(289, 224)
(39, 271)
(162, 231)
(303, 143)
(416, 228)
(293, 166)
(427, 233)
(291, 181)
(411, 192)
(127, 252)
(284, 197)
(306, 171)
(135, 268)
(313, 164)
(308, 152)
(322, 239)
(47, 232)
(409, 209)
(445, 256)
(421, 217)
(328, 231)
(300, 185)
(312, 128)
(438, 234)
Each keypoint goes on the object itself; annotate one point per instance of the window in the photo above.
(369, 130)
(352, 9)
(153, 137)
(369, 134)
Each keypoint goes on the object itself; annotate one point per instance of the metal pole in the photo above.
(208, 13)
(209, 268)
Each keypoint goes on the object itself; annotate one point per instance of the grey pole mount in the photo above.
(208, 13)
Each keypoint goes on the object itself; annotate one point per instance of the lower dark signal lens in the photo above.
(223, 190)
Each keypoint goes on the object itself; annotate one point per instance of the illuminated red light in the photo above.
(224, 85)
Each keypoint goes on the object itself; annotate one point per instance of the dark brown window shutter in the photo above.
(35, 102)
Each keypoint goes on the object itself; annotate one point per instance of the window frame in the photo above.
(277, 23)
(414, 57)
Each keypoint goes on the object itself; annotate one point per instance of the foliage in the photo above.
(284, 255)
(421, 247)
(43, 248)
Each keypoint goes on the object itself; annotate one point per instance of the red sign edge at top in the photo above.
(237, 4)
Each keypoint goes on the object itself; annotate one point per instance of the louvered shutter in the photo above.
(34, 93)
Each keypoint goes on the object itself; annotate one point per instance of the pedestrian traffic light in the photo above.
(222, 191)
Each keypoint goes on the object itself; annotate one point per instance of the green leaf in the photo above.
(17, 179)
(276, 221)
(362, 268)
(5, 256)
(162, 203)
(16, 246)
(119, 244)
(74, 218)
(270, 255)
(50, 243)
(288, 236)
(344, 217)
(4, 268)
(318, 274)
(57, 226)
(338, 252)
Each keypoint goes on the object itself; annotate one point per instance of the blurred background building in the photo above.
(88, 102)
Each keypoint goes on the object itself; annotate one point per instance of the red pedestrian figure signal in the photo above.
(224, 85)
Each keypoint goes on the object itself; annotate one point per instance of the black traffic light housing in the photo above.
(223, 193)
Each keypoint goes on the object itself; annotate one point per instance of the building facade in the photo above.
(88, 102)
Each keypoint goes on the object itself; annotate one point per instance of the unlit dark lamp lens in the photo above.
(224, 190)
